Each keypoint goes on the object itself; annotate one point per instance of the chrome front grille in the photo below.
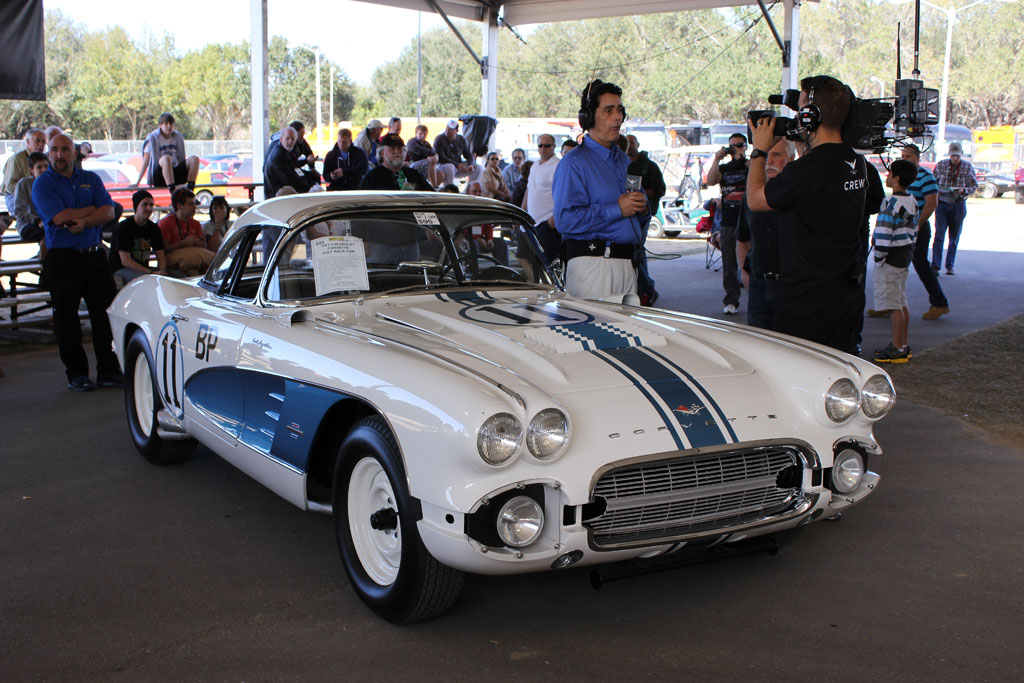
(686, 496)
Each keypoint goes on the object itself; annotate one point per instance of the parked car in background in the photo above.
(1018, 190)
(992, 183)
(241, 175)
(205, 193)
(117, 179)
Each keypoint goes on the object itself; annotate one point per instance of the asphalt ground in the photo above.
(112, 569)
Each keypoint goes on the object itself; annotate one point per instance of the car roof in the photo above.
(285, 209)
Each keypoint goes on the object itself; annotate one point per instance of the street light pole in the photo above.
(319, 107)
(950, 13)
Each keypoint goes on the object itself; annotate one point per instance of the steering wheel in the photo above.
(465, 257)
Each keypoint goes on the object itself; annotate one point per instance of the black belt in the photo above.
(86, 250)
(768, 276)
(574, 248)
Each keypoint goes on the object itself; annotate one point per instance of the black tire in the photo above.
(142, 421)
(672, 233)
(421, 588)
(203, 199)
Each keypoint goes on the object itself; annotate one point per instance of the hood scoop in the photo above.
(592, 336)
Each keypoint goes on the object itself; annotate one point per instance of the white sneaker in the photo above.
(730, 309)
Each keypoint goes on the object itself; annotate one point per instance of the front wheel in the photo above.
(655, 229)
(990, 191)
(375, 525)
(142, 404)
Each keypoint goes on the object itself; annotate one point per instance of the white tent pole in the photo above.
(260, 108)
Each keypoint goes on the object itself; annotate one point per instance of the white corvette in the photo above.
(405, 362)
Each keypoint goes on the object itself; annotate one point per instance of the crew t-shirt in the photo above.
(139, 240)
(820, 198)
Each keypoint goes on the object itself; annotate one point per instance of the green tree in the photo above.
(215, 86)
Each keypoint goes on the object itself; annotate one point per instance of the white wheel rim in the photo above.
(142, 385)
(379, 551)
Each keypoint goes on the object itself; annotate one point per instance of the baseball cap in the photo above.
(452, 123)
(391, 140)
(955, 148)
(375, 123)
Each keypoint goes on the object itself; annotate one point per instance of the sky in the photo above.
(348, 33)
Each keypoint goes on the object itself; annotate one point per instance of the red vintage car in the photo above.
(119, 185)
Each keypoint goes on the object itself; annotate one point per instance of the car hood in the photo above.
(553, 341)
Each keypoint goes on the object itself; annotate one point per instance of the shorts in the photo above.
(890, 287)
(180, 176)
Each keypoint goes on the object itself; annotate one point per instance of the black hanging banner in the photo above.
(23, 67)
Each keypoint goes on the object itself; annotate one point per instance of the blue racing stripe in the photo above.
(670, 424)
(688, 408)
(707, 394)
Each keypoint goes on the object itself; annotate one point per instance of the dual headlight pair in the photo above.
(501, 436)
(875, 399)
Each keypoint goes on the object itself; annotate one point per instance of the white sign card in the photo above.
(339, 264)
(426, 218)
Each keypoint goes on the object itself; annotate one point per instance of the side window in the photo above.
(239, 265)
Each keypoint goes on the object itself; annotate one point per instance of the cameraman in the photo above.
(733, 179)
(821, 198)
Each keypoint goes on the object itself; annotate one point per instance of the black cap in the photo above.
(391, 140)
(139, 196)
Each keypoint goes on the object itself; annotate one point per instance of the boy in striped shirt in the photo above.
(893, 241)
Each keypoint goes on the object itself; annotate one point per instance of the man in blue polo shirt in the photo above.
(601, 222)
(74, 206)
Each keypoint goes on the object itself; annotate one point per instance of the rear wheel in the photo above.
(375, 525)
(990, 191)
(142, 404)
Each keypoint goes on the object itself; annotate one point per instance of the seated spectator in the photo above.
(493, 183)
(138, 237)
(279, 168)
(164, 160)
(346, 163)
(421, 156)
(568, 144)
(484, 234)
(454, 159)
(83, 151)
(395, 126)
(183, 237)
(369, 138)
(450, 187)
(30, 225)
(392, 173)
(219, 223)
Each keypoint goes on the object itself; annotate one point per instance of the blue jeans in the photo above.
(951, 216)
(762, 302)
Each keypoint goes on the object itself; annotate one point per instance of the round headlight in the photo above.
(877, 397)
(842, 400)
(548, 433)
(499, 438)
(520, 521)
(847, 471)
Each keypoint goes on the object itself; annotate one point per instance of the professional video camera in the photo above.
(867, 125)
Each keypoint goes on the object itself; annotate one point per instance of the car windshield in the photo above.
(359, 255)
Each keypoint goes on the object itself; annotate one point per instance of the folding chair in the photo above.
(713, 253)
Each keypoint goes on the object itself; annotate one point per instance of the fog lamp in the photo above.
(520, 521)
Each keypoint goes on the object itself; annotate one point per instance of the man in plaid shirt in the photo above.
(956, 181)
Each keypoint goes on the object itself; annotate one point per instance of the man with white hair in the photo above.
(279, 168)
(454, 158)
(757, 237)
(18, 166)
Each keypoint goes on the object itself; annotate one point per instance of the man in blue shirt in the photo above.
(74, 206)
(600, 221)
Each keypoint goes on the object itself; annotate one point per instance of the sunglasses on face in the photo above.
(545, 144)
